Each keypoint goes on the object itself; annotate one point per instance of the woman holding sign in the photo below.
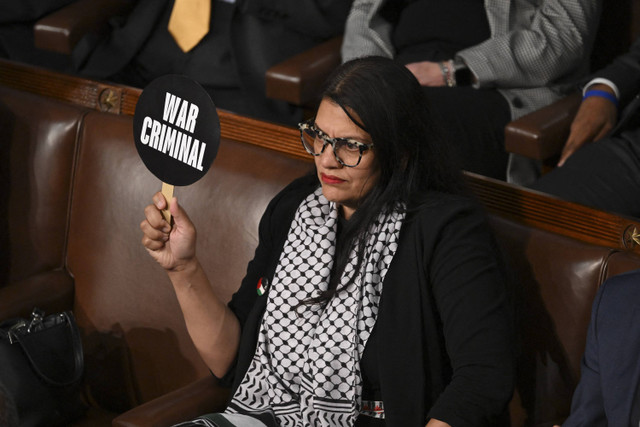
(381, 299)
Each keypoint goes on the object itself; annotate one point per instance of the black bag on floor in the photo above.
(41, 367)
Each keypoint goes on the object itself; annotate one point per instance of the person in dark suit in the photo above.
(17, 35)
(600, 163)
(246, 37)
(607, 394)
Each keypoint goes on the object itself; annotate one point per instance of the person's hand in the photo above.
(596, 116)
(428, 73)
(172, 247)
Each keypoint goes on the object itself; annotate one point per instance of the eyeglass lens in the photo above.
(348, 154)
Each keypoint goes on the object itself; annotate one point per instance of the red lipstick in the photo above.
(330, 179)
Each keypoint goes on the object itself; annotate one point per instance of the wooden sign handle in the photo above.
(167, 192)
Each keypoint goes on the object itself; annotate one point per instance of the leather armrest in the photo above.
(541, 134)
(52, 292)
(298, 79)
(200, 397)
(61, 30)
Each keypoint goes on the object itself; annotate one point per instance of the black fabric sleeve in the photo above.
(624, 71)
(469, 287)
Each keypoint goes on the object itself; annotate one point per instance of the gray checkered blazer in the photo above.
(536, 50)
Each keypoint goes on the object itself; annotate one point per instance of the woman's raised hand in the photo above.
(174, 248)
(213, 327)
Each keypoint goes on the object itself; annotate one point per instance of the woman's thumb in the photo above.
(179, 215)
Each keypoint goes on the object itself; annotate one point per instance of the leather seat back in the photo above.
(123, 299)
(555, 279)
(36, 164)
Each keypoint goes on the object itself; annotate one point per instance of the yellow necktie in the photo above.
(189, 22)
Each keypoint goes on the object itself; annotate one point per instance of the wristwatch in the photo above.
(462, 74)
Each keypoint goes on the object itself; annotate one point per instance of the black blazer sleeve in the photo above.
(469, 286)
(624, 71)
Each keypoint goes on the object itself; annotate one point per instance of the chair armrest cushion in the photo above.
(200, 397)
(61, 30)
(51, 292)
(541, 134)
(298, 79)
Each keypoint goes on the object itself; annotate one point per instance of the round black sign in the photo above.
(176, 129)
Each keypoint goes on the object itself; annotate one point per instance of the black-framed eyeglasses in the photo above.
(347, 151)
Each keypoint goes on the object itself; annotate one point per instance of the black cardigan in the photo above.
(445, 330)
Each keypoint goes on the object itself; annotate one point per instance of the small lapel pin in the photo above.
(263, 284)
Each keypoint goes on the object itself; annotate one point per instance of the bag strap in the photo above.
(78, 356)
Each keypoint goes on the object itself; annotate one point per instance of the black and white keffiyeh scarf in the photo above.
(306, 369)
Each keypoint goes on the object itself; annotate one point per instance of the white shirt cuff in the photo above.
(600, 80)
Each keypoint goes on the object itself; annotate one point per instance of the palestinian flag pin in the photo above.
(263, 283)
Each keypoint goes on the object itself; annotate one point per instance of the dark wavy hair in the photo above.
(412, 159)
